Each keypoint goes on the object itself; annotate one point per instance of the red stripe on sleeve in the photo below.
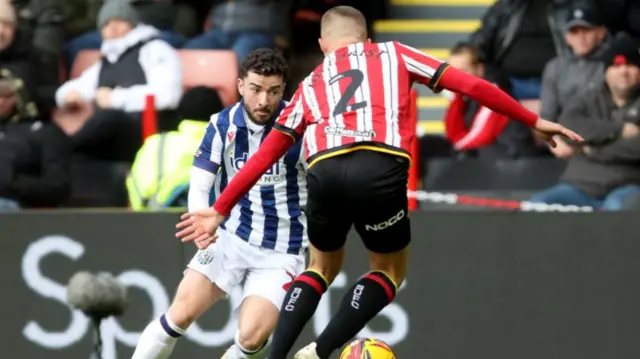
(272, 148)
(487, 94)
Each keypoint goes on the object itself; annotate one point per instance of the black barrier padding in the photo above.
(480, 286)
(526, 174)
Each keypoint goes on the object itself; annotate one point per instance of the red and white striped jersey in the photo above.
(358, 98)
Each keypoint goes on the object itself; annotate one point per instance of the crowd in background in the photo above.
(71, 141)
(64, 142)
(576, 62)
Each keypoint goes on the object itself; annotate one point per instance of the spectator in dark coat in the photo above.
(605, 170)
(582, 69)
(519, 37)
(34, 153)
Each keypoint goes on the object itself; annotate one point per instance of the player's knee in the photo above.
(252, 338)
(393, 265)
(394, 274)
(182, 314)
(327, 272)
(328, 269)
(396, 278)
(185, 309)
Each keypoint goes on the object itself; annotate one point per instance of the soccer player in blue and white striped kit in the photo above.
(263, 241)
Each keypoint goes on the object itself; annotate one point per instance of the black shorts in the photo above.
(363, 188)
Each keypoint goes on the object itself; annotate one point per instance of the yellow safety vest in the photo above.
(161, 168)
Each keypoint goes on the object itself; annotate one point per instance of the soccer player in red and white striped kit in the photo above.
(352, 112)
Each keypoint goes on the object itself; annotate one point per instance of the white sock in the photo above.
(158, 339)
(236, 351)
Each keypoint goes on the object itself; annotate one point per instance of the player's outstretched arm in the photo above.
(436, 74)
(286, 131)
(274, 146)
(499, 101)
(201, 226)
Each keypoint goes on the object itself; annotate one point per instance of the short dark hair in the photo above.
(265, 62)
(469, 48)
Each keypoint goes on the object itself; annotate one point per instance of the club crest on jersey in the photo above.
(205, 257)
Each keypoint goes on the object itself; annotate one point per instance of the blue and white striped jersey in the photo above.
(270, 215)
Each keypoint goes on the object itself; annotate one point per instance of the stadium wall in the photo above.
(480, 285)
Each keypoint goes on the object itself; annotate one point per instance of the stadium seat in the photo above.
(213, 68)
(62, 71)
(217, 69)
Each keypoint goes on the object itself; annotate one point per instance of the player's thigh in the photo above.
(383, 223)
(328, 217)
(223, 262)
(195, 294)
(264, 292)
(272, 278)
(206, 280)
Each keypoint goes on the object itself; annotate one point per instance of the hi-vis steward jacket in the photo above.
(160, 172)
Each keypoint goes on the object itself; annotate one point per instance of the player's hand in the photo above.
(103, 97)
(562, 150)
(200, 227)
(545, 130)
(72, 99)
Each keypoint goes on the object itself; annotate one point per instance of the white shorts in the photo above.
(265, 272)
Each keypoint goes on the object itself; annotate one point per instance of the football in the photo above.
(367, 348)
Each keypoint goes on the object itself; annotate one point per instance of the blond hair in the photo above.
(342, 22)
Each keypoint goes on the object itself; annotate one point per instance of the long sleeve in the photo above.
(623, 150)
(85, 85)
(593, 128)
(206, 164)
(287, 130)
(200, 185)
(454, 125)
(485, 129)
(550, 106)
(52, 186)
(272, 148)
(437, 74)
(163, 69)
(487, 94)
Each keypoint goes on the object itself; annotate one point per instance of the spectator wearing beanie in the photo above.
(81, 18)
(605, 170)
(135, 63)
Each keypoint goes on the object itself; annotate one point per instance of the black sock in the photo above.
(363, 302)
(297, 308)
